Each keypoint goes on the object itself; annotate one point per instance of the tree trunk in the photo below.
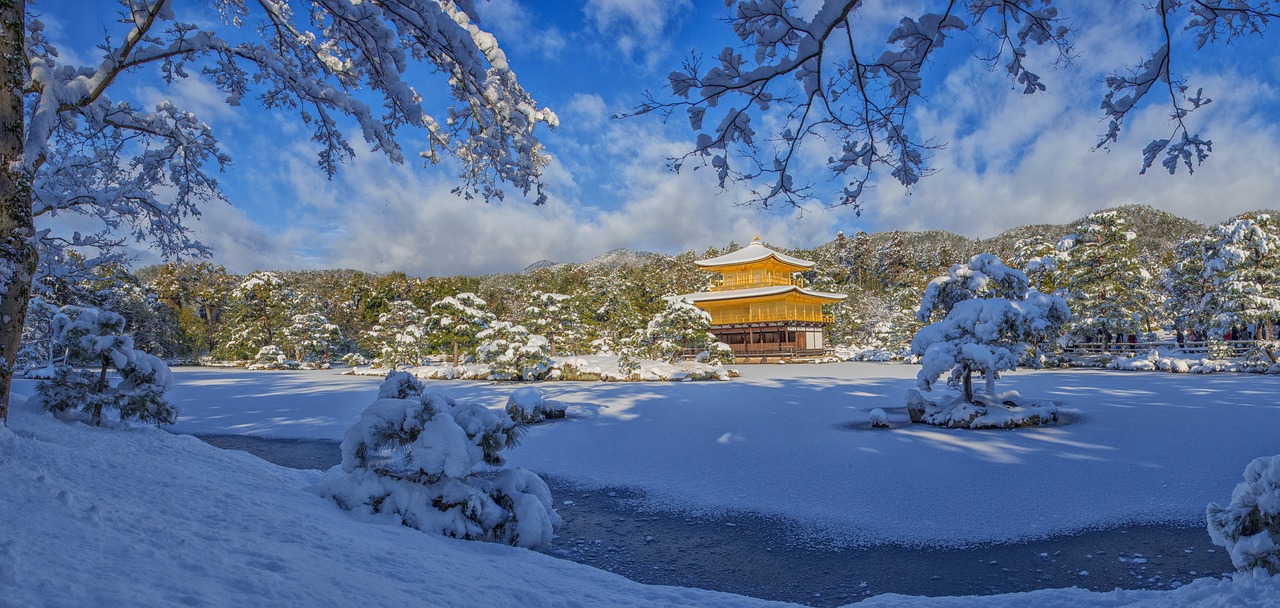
(968, 385)
(102, 389)
(455, 353)
(18, 255)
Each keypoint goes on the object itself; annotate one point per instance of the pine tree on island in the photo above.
(986, 319)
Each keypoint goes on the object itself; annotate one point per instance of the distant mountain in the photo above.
(609, 260)
(540, 264)
(1158, 231)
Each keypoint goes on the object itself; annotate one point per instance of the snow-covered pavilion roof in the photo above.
(754, 252)
(756, 292)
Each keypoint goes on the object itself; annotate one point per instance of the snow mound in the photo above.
(1005, 411)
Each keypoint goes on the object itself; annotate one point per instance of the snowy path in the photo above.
(789, 441)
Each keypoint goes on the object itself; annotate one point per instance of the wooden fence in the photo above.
(1238, 347)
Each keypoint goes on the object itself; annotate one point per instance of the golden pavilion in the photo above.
(759, 308)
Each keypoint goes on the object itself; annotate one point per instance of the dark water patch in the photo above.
(769, 557)
(899, 418)
(321, 454)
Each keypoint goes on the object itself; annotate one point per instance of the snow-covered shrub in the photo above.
(1218, 349)
(527, 405)
(879, 419)
(272, 357)
(1249, 526)
(718, 353)
(354, 359)
(991, 322)
(97, 337)
(420, 459)
(512, 353)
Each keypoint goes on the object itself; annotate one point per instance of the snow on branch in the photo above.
(811, 78)
(819, 78)
(91, 151)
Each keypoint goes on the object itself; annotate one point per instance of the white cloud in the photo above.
(638, 28)
(1012, 159)
(517, 26)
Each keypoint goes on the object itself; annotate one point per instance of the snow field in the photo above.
(794, 441)
(137, 516)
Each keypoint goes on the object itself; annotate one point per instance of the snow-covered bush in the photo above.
(1217, 348)
(527, 405)
(354, 359)
(420, 459)
(879, 419)
(1249, 526)
(717, 353)
(97, 337)
(512, 353)
(991, 322)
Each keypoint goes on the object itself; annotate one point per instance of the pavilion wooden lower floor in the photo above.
(782, 339)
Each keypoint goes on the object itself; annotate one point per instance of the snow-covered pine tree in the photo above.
(679, 326)
(1108, 289)
(989, 321)
(79, 142)
(400, 336)
(1185, 287)
(97, 338)
(255, 315)
(455, 321)
(513, 353)
(310, 337)
(1037, 257)
(553, 316)
(1242, 265)
(419, 459)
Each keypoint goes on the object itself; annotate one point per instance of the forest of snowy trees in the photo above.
(1128, 271)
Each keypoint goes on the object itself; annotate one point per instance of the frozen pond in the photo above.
(789, 441)
(766, 557)
(772, 485)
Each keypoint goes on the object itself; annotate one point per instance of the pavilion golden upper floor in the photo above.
(757, 305)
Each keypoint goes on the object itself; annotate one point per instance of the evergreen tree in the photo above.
(513, 353)
(97, 338)
(456, 321)
(309, 336)
(679, 326)
(552, 315)
(990, 321)
(400, 336)
(1108, 289)
(1185, 286)
(1243, 269)
(257, 313)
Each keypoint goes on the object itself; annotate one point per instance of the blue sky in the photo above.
(1009, 160)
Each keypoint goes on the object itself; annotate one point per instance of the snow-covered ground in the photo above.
(140, 517)
(795, 440)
